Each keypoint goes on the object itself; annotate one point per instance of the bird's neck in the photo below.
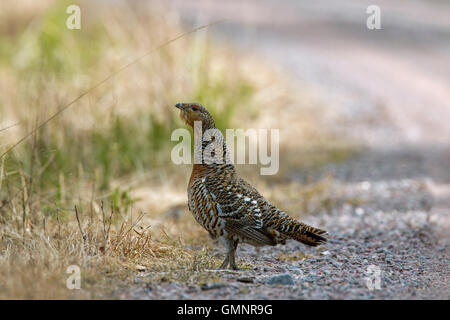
(211, 155)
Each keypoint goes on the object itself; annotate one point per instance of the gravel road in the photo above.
(390, 87)
(397, 231)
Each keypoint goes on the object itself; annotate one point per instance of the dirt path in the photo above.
(391, 90)
(399, 75)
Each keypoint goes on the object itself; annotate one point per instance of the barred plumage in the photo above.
(232, 210)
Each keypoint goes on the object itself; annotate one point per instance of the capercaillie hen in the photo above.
(227, 206)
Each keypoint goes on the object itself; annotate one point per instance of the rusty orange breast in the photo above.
(198, 171)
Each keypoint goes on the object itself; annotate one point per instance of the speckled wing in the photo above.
(242, 208)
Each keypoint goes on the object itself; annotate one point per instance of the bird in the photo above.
(229, 207)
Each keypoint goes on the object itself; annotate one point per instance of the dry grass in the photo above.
(109, 154)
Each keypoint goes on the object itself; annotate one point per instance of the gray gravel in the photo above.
(281, 279)
(396, 231)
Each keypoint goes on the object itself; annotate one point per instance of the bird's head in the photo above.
(193, 111)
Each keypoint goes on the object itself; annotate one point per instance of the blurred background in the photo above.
(363, 116)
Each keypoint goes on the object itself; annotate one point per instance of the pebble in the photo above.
(309, 278)
(212, 285)
(245, 280)
(282, 279)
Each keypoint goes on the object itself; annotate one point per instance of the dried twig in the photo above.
(8, 127)
(106, 229)
(79, 224)
(2, 170)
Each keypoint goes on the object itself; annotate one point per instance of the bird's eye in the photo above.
(194, 108)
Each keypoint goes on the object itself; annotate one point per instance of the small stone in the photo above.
(294, 268)
(283, 279)
(140, 268)
(212, 285)
(309, 278)
(245, 280)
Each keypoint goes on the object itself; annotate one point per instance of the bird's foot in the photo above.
(234, 267)
(224, 264)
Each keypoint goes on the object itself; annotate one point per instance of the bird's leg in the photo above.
(225, 262)
(231, 246)
(227, 243)
(232, 254)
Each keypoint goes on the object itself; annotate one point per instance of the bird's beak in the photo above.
(183, 113)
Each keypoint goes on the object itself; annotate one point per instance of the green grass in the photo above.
(136, 142)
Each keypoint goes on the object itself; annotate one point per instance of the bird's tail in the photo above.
(304, 233)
